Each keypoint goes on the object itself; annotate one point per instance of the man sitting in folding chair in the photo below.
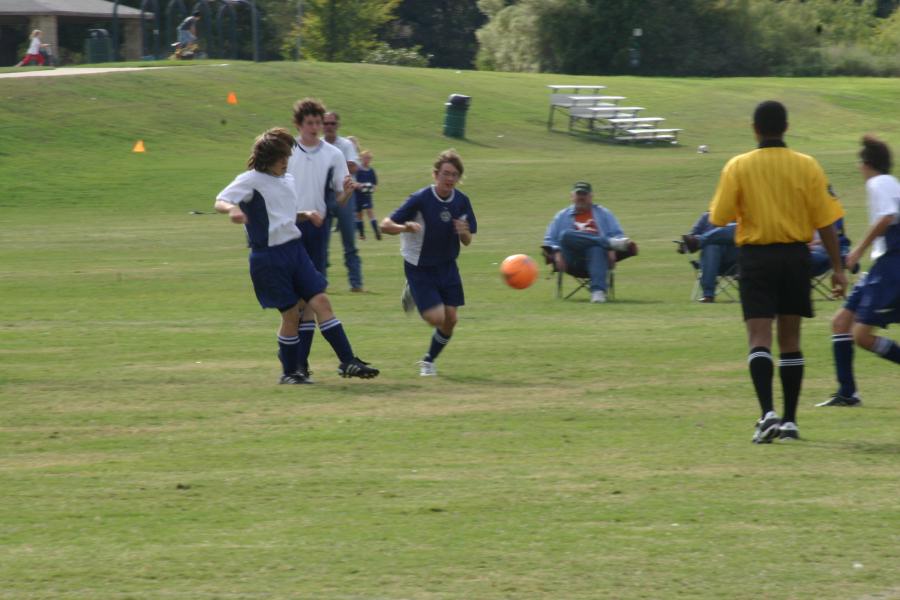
(821, 264)
(718, 256)
(585, 240)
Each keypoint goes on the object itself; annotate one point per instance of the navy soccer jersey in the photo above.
(437, 243)
(364, 198)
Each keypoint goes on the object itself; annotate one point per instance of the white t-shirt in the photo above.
(309, 166)
(884, 199)
(347, 149)
(34, 47)
(270, 204)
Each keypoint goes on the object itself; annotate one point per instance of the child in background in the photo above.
(367, 181)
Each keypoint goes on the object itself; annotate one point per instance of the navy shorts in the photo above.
(431, 286)
(363, 201)
(775, 280)
(283, 274)
(314, 240)
(876, 298)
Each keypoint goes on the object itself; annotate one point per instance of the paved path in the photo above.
(74, 71)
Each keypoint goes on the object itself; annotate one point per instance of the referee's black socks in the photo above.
(761, 372)
(790, 368)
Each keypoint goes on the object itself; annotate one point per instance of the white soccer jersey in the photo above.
(884, 199)
(270, 204)
(34, 46)
(310, 166)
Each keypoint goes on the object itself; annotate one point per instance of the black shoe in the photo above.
(691, 243)
(766, 429)
(293, 379)
(837, 400)
(788, 431)
(305, 372)
(707, 299)
(357, 368)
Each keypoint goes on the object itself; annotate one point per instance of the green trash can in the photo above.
(457, 106)
(98, 46)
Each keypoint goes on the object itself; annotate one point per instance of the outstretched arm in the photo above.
(233, 211)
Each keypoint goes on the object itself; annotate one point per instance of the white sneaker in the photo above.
(619, 244)
(598, 297)
(427, 369)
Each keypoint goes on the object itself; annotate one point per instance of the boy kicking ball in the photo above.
(264, 201)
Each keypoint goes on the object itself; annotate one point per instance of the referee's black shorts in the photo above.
(775, 280)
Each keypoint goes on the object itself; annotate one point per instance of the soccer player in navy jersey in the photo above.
(264, 201)
(875, 300)
(433, 222)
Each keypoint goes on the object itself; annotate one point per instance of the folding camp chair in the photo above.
(582, 278)
(821, 284)
(726, 282)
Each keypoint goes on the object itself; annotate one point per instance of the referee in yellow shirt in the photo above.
(778, 198)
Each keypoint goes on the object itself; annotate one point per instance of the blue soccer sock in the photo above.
(790, 370)
(287, 353)
(333, 331)
(305, 332)
(886, 348)
(842, 348)
(360, 228)
(438, 342)
(375, 229)
(761, 372)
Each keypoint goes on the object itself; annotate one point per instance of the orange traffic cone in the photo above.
(232, 99)
(139, 146)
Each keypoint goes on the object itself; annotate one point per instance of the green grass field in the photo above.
(566, 450)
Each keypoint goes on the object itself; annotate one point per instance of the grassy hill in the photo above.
(566, 450)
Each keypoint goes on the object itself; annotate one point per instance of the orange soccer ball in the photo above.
(519, 271)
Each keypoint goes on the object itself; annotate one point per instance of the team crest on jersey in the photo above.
(445, 216)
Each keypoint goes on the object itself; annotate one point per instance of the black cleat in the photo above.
(788, 431)
(293, 379)
(357, 368)
(838, 400)
(305, 372)
(766, 429)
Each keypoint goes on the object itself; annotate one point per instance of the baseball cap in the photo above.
(582, 187)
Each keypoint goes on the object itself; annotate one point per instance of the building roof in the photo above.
(66, 8)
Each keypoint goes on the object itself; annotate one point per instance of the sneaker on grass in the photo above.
(766, 429)
(357, 368)
(837, 400)
(427, 368)
(293, 379)
(788, 431)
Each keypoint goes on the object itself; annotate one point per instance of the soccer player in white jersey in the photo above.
(264, 201)
(319, 169)
(434, 221)
(875, 300)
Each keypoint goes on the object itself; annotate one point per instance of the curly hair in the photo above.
(307, 106)
(875, 154)
(269, 148)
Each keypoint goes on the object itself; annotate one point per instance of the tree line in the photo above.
(644, 37)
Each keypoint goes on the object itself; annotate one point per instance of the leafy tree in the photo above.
(341, 30)
(443, 28)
